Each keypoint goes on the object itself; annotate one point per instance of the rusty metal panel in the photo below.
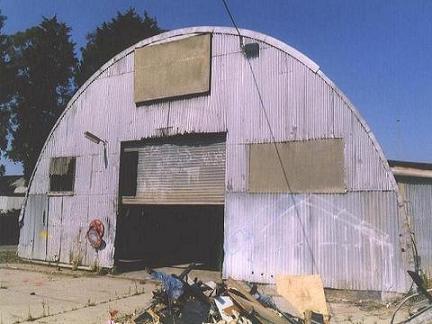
(310, 166)
(183, 170)
(173, 69)
(349, 239)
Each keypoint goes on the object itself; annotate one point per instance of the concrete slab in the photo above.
(42, 294)
(26, 295)
(127, 307)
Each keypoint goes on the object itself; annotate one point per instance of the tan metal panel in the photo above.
(173, 69)
(310, 166)
(182, 171)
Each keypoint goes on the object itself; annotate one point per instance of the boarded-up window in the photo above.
(173, 69)
(62, 174)
(311, 166)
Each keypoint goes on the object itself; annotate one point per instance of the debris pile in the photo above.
(182, 300)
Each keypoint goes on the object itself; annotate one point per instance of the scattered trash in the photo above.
(173, 287)
(419, 304)
(262, 298)
(226, 307)
(181, 300)
(112, 316)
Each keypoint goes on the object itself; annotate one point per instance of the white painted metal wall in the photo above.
(10, 203)
(351, 239)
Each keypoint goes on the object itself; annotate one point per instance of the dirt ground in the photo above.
(42, 294)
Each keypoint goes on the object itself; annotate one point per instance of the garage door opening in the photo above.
(160, 236)
(172, 193)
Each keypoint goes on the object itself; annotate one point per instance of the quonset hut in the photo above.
(203, 145)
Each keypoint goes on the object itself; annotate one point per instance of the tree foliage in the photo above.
(4, 91)
(111, 38)
(39, 71)
(42, 62)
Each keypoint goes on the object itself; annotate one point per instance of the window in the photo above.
(310, 166)
(62, 174)
(173, 69)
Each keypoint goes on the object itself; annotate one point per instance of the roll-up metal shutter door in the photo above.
(182, 171)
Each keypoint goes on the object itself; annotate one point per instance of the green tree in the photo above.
(43, 64)
(5, 93)
(111, 38)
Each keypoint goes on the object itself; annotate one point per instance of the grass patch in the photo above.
(8, 257)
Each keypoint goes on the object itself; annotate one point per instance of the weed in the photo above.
(29, 315)
(136, 288)
(90, 303)
(45, 308)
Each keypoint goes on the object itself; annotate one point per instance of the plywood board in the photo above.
(305, 293)
(173, 69)
(310, 166)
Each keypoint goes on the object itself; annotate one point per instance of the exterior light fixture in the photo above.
(95, 139)
(251, 50)
(92, 137)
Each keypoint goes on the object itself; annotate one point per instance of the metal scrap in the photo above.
(181, 300)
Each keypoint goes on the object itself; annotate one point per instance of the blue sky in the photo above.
(378, 52)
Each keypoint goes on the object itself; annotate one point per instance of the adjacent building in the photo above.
(415, 186)
(12, 192)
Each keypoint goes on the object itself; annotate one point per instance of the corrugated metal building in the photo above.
(180, 156)
(415, 185)
(12, 192)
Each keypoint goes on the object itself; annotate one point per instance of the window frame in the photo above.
(72, 175)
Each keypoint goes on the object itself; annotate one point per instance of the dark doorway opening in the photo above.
(171, 202)
(169, 235)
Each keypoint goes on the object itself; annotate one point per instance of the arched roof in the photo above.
(229, 31)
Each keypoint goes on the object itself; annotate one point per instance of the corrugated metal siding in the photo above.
(10, 203)
(187, 171)
(301, 103)
(338, 236)
(32, 242)
(417, 196)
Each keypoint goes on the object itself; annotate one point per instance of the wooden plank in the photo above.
(254, 308)
(250, 305)
(305, 293)
(240, 287)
